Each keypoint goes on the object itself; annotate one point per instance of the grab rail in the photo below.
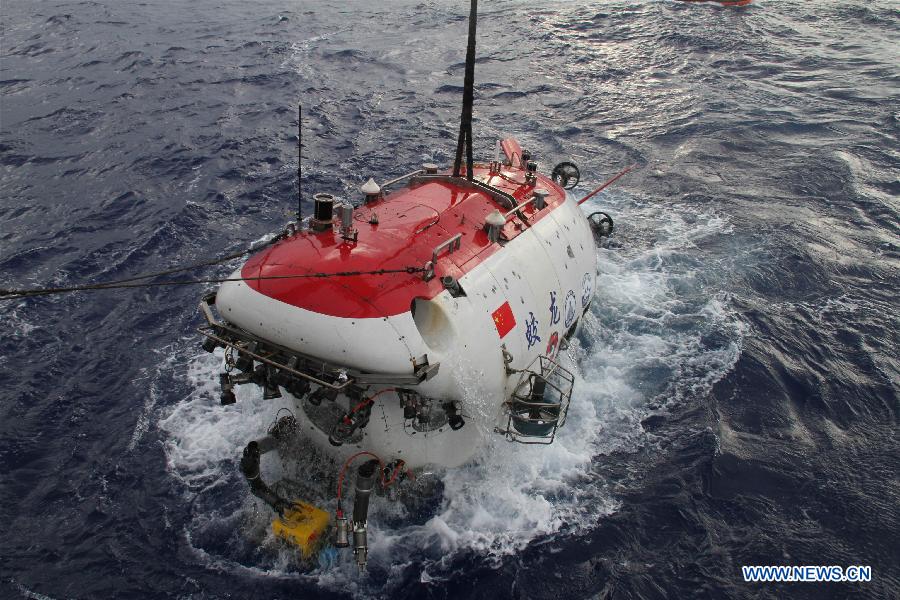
(347, 377)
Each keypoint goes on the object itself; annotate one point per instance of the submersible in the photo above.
(412, 322)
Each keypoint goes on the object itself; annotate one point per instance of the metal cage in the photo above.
(540, 404)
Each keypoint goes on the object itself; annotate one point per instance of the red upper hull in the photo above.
(411, 223)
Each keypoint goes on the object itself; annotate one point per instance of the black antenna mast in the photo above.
(465, 121)
(299, 152)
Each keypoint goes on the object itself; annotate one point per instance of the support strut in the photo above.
(250, 469)
(250, 463)
(365, 482)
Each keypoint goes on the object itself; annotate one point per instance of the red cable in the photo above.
(369, 400)
(607, 184)
(389, 482)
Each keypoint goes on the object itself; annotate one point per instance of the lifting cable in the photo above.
(210, 262)
(133, 282)
(465, 121)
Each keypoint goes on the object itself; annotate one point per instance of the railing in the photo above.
(298, 364)
(505, 200)
(401, 178)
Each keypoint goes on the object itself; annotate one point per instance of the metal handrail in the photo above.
(506, 200)
(401, 178)
(517, 210)
(420, 373)
(451, 245)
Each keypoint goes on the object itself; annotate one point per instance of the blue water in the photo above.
(737, 400)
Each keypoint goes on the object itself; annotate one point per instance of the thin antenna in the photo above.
(299, 171)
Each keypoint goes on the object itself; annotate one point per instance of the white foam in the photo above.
(26, 593)
(202, 435)
(18, 325)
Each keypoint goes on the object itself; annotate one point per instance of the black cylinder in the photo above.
(538, 387)
(324, 209)
(451, 284)
(365, 481)
(250, 461)
(227, 398)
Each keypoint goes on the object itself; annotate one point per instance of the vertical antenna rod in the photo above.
(465, 121)
(299, 152)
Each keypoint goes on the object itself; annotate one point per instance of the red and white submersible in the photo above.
(412, 326)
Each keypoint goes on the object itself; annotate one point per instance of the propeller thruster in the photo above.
(566, 175)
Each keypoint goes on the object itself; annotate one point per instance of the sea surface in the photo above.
(737, 394)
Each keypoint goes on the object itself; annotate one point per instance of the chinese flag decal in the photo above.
(504, 319)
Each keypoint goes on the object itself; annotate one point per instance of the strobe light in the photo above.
(244, 362)
(531, 172)
(210, 344)
(267, 376)
(294, 385)
(297, 388)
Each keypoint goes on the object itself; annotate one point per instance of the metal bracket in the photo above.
(531, 420)
(507, 360)
(452, 245)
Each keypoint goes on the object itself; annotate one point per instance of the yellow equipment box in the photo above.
(302, 525)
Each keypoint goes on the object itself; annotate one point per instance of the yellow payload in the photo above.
(302, 525)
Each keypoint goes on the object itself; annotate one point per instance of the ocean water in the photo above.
(737, 377)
